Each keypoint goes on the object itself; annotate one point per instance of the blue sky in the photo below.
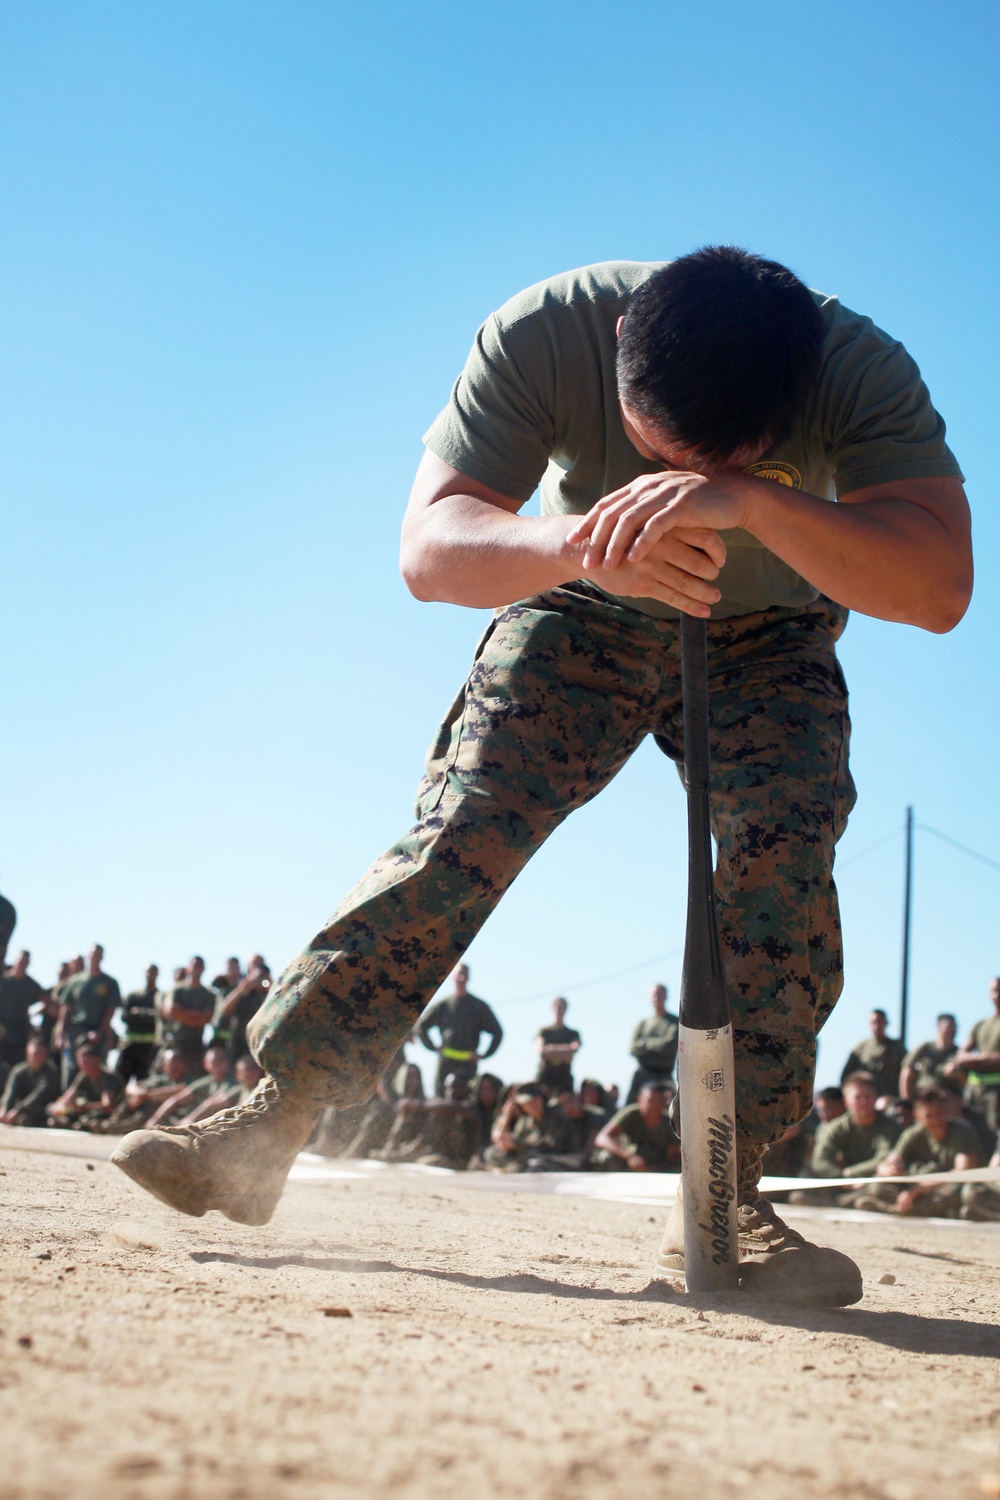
(246, 249)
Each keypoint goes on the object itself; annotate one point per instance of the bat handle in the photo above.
(705, 1058)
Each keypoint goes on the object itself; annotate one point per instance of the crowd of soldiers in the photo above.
(81, 1056)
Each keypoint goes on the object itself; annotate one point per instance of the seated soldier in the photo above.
(485, 1093)
(184, 1104)
(519, 1131)
(957, 1109)
(934, 1145)
(93, 1093)
(31, 1086)
(571, 1130)
(596, 1102)
(144, 1097)
(854, 1143)
(640, 1137)
(451, 1128)
(392, 1118)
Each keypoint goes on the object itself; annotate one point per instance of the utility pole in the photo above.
(907, 893)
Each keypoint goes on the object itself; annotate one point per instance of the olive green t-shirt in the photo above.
(657, 1144)
(654, 1042)
(844, 1148)
(922, 1153)
(537, 404)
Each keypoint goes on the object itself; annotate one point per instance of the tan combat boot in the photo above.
(236, 1161)
(775, 1261)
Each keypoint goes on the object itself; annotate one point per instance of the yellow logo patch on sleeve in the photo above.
(770, 468)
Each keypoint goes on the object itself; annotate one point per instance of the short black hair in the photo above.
(719, 350)
(946, 1015)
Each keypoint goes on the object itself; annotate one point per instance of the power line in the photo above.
(972, 853)
(845, 864)
(584, 984)
(657, 958)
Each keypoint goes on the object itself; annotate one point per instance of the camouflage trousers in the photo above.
(563, 689)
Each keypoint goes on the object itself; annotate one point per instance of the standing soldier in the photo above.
(654, 1044)
(460, 1020)
(931, 1061)
(186, 1012)
(139, 1013)
(557, 1047)
(89, 1002)
(18, 993)
(880, 1055)
(979, 1059)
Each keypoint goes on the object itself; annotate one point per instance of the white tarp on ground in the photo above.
(657, 1189)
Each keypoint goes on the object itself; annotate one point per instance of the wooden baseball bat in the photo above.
(705, 1072)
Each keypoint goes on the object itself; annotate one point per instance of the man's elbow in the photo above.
(414, 575)
(946, 606)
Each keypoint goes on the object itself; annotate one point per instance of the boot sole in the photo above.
(186, 1196)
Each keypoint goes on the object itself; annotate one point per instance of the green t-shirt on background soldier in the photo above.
(843, 1148)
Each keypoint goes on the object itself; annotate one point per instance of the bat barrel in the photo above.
(705, 1068)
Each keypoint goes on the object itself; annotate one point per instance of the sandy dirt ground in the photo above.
(401, 1335)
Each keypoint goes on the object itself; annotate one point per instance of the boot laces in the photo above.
(759, 1222)
(237, 1116)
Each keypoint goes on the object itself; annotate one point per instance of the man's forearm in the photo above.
(889, 558)
(463, 550)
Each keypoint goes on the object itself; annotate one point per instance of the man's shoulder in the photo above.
(626, 1115)
(963, 1136)
(608, 281)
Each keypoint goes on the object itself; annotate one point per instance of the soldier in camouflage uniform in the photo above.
(690, 425)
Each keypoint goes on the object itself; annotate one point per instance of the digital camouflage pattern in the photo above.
(563, 689)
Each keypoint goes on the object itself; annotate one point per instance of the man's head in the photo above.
(658, 998)
(829, 1103)
(217, 1063)
(152, 975)
(21, 964)
(571, 1104)
(952, 1092)
(860, 1094)
(95, 958)
(717, 353)
(487, 1090)
(88, 1058)
(995, 995)
(652, 1102)
(531, 1100)
(173, 1065)
(248, 1072)
(460, 979)
(36, 1052)
(233, 971)
(455, 1089)
(78, 964)
(877, 1023)
(929, 1108)
(559, 1009)
(947, 1029)
(196, 969)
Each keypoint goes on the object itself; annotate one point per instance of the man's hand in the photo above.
(629, 521)
(637, 1163)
